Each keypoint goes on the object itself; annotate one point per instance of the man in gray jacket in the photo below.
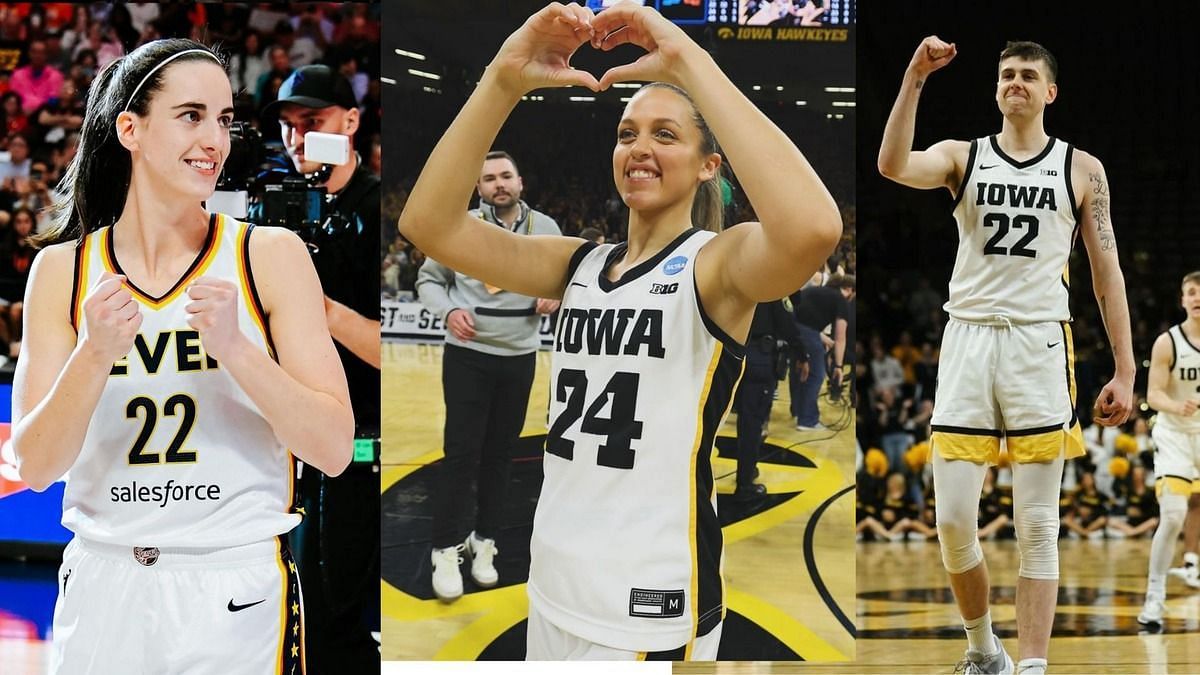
(487, 371)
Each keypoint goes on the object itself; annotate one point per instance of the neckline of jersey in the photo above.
(1027, 163)
(637, 271)
(200, 255)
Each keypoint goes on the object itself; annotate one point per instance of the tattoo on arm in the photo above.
(919, 84)
(1100, 211)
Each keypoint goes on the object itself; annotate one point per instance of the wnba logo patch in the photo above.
(675, 265)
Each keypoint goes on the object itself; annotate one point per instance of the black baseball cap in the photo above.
(314, 86)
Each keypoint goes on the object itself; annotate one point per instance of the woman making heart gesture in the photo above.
(626, 548)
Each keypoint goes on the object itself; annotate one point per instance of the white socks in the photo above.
(1031, 667)
(979, 634)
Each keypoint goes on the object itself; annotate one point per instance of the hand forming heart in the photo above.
(538, 54)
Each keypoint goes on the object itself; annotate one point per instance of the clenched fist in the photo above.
(111, 319)
(213, 313)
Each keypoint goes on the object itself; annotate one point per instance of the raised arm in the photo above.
(1087, 174)
(1160, 375)
(59, 379)
(942, 164)
(435, 217)
(799, 224)
(303, 394)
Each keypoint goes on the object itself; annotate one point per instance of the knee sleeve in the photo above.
(958, 485)
(1172, 511)
(1037, 538)
(1035, 514)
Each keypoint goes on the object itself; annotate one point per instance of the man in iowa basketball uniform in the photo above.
(1173, 390)
(1021, 197)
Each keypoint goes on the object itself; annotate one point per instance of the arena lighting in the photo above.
(431, 90)
(626, 99)
(421, 73)
(386, 80)
(779, 87)
(582, 99)
(756, 88)
(839, 116)
(843, 104)
(627, 85)
(840, 90)
(411, 55)
(801, 102)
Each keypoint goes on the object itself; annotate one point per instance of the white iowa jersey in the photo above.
(1184, 382)
(176, 454)
(1016, 226)
(626, 547)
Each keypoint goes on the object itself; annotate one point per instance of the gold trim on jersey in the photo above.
(1074, 446)
(980, 449)
(81, 284)
(248, 295)
(197, 270)
(693, 543)
(283, 607)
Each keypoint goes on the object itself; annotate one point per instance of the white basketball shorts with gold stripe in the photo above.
(1176, 460)
(1005, 380)
(213, 611)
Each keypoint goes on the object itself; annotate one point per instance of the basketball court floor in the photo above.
(788, 558)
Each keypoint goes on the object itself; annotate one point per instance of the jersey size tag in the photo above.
(655, 604)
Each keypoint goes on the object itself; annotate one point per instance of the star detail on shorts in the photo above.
(295, 650)
(292, 566)
(296, 608)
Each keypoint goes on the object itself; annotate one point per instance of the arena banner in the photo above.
(412, 321)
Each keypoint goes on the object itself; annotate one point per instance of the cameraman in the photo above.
(337, 545)
(816, 307)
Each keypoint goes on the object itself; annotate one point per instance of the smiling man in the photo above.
(1007, 360)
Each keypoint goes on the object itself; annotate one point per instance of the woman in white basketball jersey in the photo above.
(626, 547)
(174, 360)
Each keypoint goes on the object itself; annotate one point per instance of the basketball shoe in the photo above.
(1153, 610)
(482, 551)
(447, 579)
(977, 662)
(1190, 572)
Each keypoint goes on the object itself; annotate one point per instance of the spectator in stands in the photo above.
(592, 234)
(1141, 508)
(892, 414)
(16, 255)
(907, 354)
(301, 50)
(993, 518)
(269, 82)
(1089, 510)
(248, 65)
(886, 372)
(14, 118)
(37, 81)
(59, 116)
(815, 308)
(898, 513)
(925, 372)
(18, 162)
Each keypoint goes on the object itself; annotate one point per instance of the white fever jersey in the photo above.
(1016, 225)
(626, 548)
(1184, 382)
(176, 454)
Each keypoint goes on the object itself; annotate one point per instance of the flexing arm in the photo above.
(1116, 398)
(303, 396)
(435, 217)
(937, 166)
(1160, 375)
(59, 379)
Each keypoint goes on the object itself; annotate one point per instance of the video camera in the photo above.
(259, 183)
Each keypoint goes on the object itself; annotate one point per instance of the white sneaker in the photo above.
(482, 551)
(816, 427)
(1189, 573)
(1153, 610)
(999, 663)
(447, 579)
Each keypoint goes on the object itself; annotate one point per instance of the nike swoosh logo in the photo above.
(1051, 346)
(576, 283)
(985, 168)
(237, 608)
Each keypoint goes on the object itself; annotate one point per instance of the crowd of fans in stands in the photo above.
(50, 53)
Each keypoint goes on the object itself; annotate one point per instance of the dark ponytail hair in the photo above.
(92, 192)
(708, 206)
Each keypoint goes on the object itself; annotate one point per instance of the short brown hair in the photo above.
(1032, 51)
(500, 154)
(1190, 278)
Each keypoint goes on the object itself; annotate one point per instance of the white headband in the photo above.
(164, 62)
